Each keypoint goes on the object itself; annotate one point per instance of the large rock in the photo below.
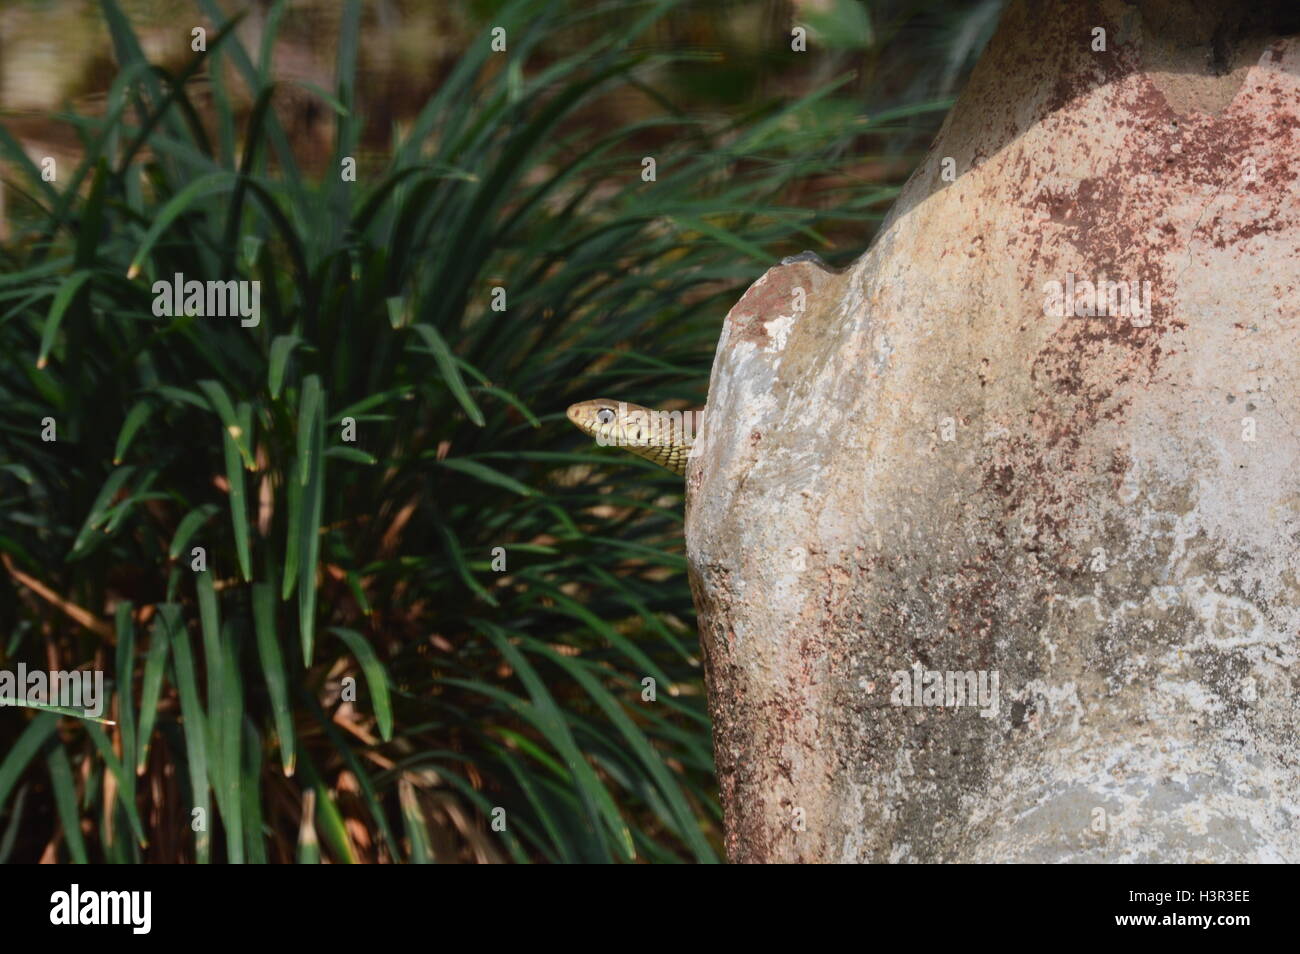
(928, 468)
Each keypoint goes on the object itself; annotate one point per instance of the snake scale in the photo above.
(660, 436)
(663, 437)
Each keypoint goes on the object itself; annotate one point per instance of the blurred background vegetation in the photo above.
(450, 620)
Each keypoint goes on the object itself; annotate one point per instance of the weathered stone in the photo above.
(925, 467)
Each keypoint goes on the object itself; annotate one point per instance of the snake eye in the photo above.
(604, 416)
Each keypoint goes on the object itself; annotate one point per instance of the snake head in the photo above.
(663, 437)
(611, 422)
(589, 416)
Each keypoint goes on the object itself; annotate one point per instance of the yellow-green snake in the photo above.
(664, 437)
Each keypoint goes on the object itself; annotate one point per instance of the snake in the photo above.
(660, 436)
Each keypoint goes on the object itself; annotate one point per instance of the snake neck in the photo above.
(662, 437)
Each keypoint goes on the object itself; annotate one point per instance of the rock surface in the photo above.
(924, 464)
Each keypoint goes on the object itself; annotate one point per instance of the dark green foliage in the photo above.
(332, 563)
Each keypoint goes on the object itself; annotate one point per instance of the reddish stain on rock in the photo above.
(770, 297)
